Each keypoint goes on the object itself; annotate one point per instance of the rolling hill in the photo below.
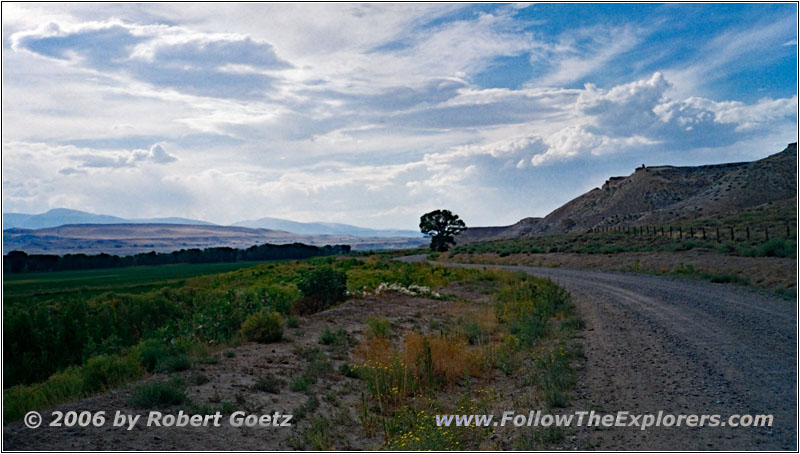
(125, 239)
(663, 194)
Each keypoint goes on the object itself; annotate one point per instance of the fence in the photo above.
(763, 232)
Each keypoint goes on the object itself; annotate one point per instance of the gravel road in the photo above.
(685, 347)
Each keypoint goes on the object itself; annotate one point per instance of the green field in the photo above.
(85, 283)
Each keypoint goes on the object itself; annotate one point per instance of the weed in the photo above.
(554, 376)
(227, 408)
(310, 406)
(176, 363)
(572, 323)
(348, 371)
(157, 395)
(269, 384)
(378, 327)
(539, 438)
(329, 337)
(106, 372)
(302, 384)
(209, 360)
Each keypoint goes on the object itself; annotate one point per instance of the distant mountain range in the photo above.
(62, 216)
(126, 239)
(663, 194)
(323, 228)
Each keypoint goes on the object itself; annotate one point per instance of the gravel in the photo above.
(685, 347)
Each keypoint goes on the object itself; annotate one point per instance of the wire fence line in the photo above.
(749, 232)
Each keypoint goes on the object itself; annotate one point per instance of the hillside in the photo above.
(124, 239)
(663, 194)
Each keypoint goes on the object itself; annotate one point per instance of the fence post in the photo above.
(680, 232)
(691, 232)
(670, 231)
(748, 233)
(662, 230)
(718, 238)
(787, 231)
(732, 238)
(766, 231)
(704, 232)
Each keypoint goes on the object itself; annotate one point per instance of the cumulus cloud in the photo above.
(77, 160)
(625, 117)
(155, 155)
(161, 55)
(375, 112)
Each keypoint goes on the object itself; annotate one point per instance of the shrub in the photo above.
(302, 384)
(293, 322)
(175, 363)
(776, 248)
(263, 327)
(329, 337)
(269, 384)
(321, 289)
(150, 352)
(158, 395)
(106, 372)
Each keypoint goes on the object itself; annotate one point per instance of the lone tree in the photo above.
(441, 226)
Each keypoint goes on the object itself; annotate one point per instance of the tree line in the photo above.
(21, 262)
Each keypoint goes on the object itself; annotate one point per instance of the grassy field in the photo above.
(29, 287)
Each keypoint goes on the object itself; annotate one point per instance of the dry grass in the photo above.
(375, 350)
(451, 356)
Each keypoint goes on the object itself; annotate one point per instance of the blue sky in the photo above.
(373, 114)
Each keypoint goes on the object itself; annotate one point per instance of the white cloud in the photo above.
(369, 112)
(575, 62)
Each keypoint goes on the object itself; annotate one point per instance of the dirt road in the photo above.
(682, 346)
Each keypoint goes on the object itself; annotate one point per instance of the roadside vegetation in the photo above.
(751, 250)
(508, 330)
(756, 232)
(614, 243)
(502, 331)
(61, 346)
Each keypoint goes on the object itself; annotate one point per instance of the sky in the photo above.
(373, 114)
